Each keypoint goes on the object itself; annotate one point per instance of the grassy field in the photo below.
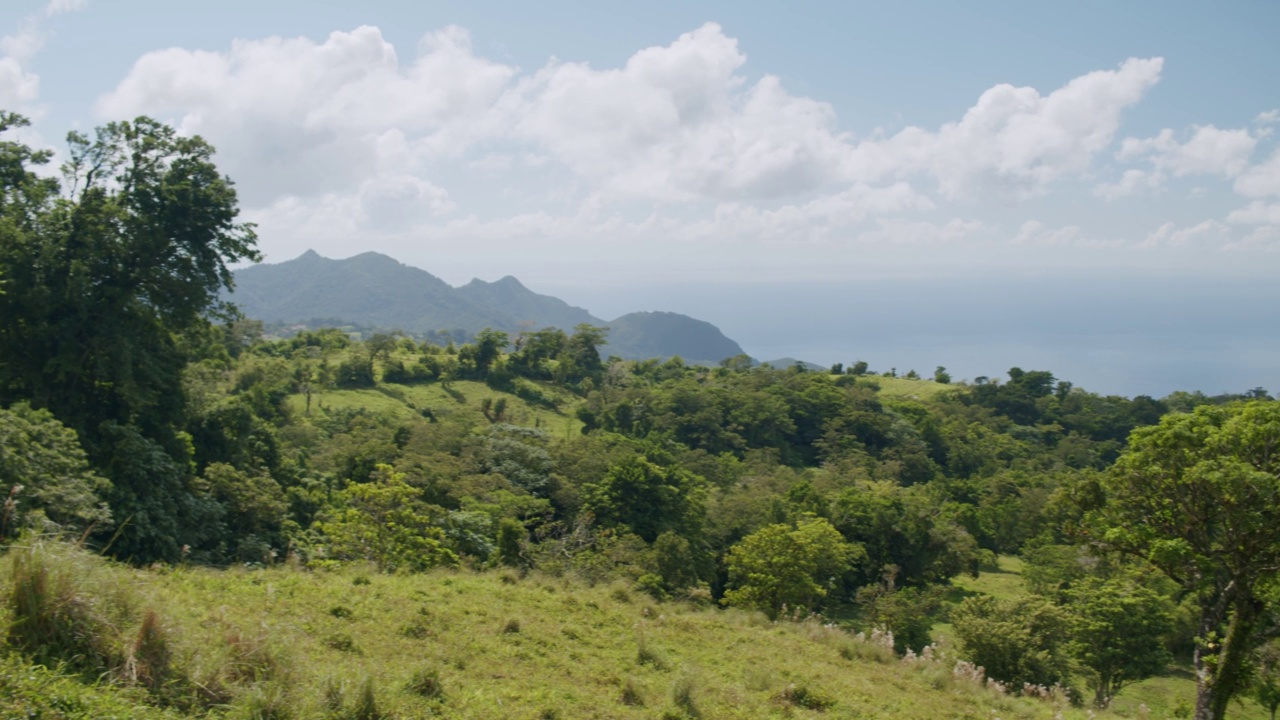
(462, 397)
(288, 643)
(906, 389)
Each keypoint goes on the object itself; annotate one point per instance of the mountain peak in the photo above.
(378, 291)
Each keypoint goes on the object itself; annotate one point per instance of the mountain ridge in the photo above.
(379, 291)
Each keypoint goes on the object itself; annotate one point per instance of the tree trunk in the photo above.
(1215, 687)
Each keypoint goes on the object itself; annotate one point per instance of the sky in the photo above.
(589, 149)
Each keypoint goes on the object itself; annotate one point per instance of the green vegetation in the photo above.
(320, 526)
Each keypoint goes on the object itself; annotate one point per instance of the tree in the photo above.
(1117, 632)
(100, 282)
(648, 498)
(781, 566)
(1266, 677)
(386, 522)
(45, 478)
(1016, 641)
(941, 376)
(1198, 495)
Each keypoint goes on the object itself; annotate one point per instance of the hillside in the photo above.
(377, 291)
(632, 336)
(287, 643)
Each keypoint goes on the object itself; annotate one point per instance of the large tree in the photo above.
(1199, 496)
(108, 277)
(102, 278)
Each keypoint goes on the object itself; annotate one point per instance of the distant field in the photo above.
(461, 397)
(903, 388)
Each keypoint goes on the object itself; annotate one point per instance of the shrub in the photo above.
(682, 691)
(426, 683)
(804, 697)
(150, 657)
(51, 619)
(631, 694)
(366, 706)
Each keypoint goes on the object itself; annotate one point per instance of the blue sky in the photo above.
(577, 144)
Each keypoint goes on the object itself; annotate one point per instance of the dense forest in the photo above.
(143, 418)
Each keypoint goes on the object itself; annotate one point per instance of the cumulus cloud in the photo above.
(677, 123)
(1209, 151)
(295, 117)
(1261, 180)
(345, 137)
(1015, 139)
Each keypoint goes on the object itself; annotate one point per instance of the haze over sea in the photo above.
(1106, 333)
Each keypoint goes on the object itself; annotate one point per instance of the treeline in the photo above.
(145, 418)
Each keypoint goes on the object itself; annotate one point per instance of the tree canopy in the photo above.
(1198, 495)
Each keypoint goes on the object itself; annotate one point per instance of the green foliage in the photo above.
(1117, 632)
(781, 566)
(1265, 688)
(1199, 496)
(385, 522)
(511, 538)
(157, 508)
(1018, 641)
(648, 499)
(45, 476)
(904, 529)
(355, 372)
(254, 509)
(517, 453)
(908, 613)
(51, 618)
(100, 283)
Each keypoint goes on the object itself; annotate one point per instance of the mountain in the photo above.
(374, 290)
(633, 335)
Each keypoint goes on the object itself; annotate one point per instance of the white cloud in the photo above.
(1034, 232)
(1169, 235)
(1261, 180)
(1209, 151)
(297, 117)
(1264, 237)
(19, 87)
(1133, 182)
(1256, 213)
(676, 123)
(1270, 117)
(913, 232)
(1014, 139)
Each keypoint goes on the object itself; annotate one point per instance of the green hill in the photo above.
(376, 291)
(285, 643)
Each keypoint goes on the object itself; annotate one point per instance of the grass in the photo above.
(462, 397)
(580, 652)
(906, 389)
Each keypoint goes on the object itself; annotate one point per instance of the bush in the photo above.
(804, 697)
(1019, 642)
(51, 619)
(426, 683)
(355, 372)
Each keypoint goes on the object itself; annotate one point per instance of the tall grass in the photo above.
(51, 619)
